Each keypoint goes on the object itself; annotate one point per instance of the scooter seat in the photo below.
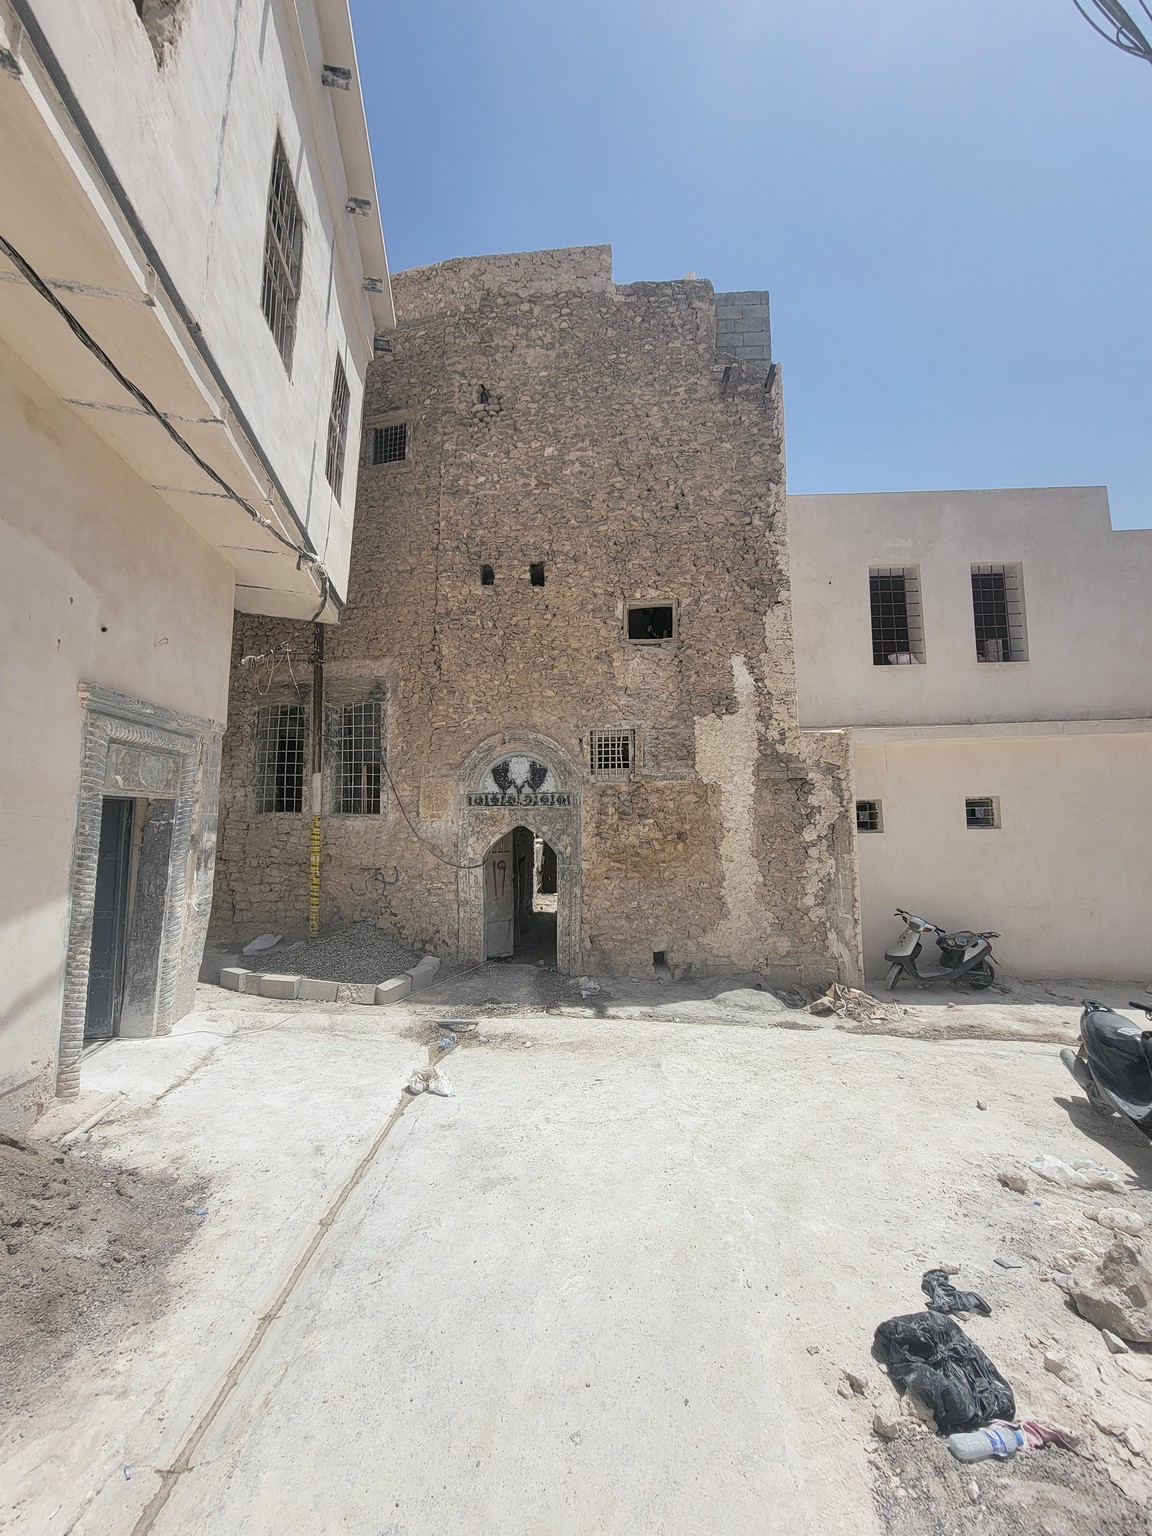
(1120, 1056)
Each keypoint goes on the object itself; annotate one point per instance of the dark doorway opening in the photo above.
(521, 880)
(110, 920)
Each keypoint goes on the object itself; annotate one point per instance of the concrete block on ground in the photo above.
(317, 991)
(392, 991)
(234, 976)
(423, 973)
(280, 986)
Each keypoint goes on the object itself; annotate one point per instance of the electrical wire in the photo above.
(303, 556)
(420, 838)
(1125, 34)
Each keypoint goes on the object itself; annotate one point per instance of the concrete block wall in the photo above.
(743, 327)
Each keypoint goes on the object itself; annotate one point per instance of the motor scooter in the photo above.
(1114, 1063)
(964, 957)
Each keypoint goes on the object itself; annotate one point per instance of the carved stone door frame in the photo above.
(486, 815)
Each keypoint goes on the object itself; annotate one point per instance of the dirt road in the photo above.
(611, 1286)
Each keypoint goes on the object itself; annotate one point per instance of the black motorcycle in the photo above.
(1114, 1063)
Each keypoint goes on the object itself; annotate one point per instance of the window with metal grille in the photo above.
(868, 816)
(651, 623)
(281, 744)
(983, 811)
(390, 444)
(358, 767)
(283, 253)
(337, 430)
(998, 613)
(897, 619)
(610, 754)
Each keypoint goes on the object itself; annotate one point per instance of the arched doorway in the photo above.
(523, 787)
(520, 899)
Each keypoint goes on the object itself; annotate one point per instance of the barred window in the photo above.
(390, 444)
(359, 759)
(897, 618)
(281, 743)
(337, 430)
(283, 253)
(868, 816)
(983, 811)
(611, 754)
(998, 613)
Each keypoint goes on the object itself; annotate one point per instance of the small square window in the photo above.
(390, 444)
(897, 617)
(536, 573)
(983, 811)
(281, 740)
(869, 816)
(651, 623)
(611, 754)
(998, 613)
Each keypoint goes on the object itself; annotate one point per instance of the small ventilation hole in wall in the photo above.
(536, 573)
(487, 576)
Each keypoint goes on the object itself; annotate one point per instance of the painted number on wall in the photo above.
(499, 868)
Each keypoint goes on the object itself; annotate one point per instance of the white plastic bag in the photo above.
(417, 1082)
(1080, 1173)
(438, 1083)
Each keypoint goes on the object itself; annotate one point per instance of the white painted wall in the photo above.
(100, 582)
(1087, 597)
(1066, 879)
(192, 142)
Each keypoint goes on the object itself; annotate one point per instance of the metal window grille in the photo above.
(390, 444)
(998, 613)
(897, 619)
(982, 812)
(359, 770)
(610, 754)
(283, 252)
(868, 817)
(337, 430)
(281, 745)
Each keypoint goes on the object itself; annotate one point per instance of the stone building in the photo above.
(192, 273)
(567, 654)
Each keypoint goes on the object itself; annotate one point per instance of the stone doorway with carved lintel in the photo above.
(520, 780)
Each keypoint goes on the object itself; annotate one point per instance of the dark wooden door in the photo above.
(109, 921)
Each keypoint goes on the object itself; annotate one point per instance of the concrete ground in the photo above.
(611, 1286)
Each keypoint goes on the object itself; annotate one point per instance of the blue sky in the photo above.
(951, 205)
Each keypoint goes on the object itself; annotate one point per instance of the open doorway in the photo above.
(520, 899)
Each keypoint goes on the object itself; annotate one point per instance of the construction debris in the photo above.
(851, 1003)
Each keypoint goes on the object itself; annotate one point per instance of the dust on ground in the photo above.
(85, 1247)
(922, 1490)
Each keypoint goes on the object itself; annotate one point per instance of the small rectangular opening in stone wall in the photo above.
(390, 444)
(536, 573)
(651, 623)
(487, 576)
(659, 957)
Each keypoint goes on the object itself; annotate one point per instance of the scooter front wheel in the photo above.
(894, 976)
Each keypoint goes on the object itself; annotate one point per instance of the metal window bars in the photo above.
(337, 430)
(981, 812)
(359, 770)
(998, 613)
(610, 754)
(897, 618)
(281, 746)
(868, 816)
(283, 253)
(390, 444)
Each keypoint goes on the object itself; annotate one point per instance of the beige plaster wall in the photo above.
(1067, 878)
(99, 582)
(1085, 598)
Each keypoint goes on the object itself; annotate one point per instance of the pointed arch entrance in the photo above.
(516, 790)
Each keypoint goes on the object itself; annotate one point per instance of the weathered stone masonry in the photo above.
(611, 435)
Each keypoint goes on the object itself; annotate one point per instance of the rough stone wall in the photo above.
(607, 433)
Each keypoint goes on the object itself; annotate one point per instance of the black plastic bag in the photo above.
(953, 1377)
(944, 1297)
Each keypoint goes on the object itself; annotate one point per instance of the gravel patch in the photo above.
(359, 953)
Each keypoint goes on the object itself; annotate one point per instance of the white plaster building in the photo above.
(1003, 775)
(192, 272)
